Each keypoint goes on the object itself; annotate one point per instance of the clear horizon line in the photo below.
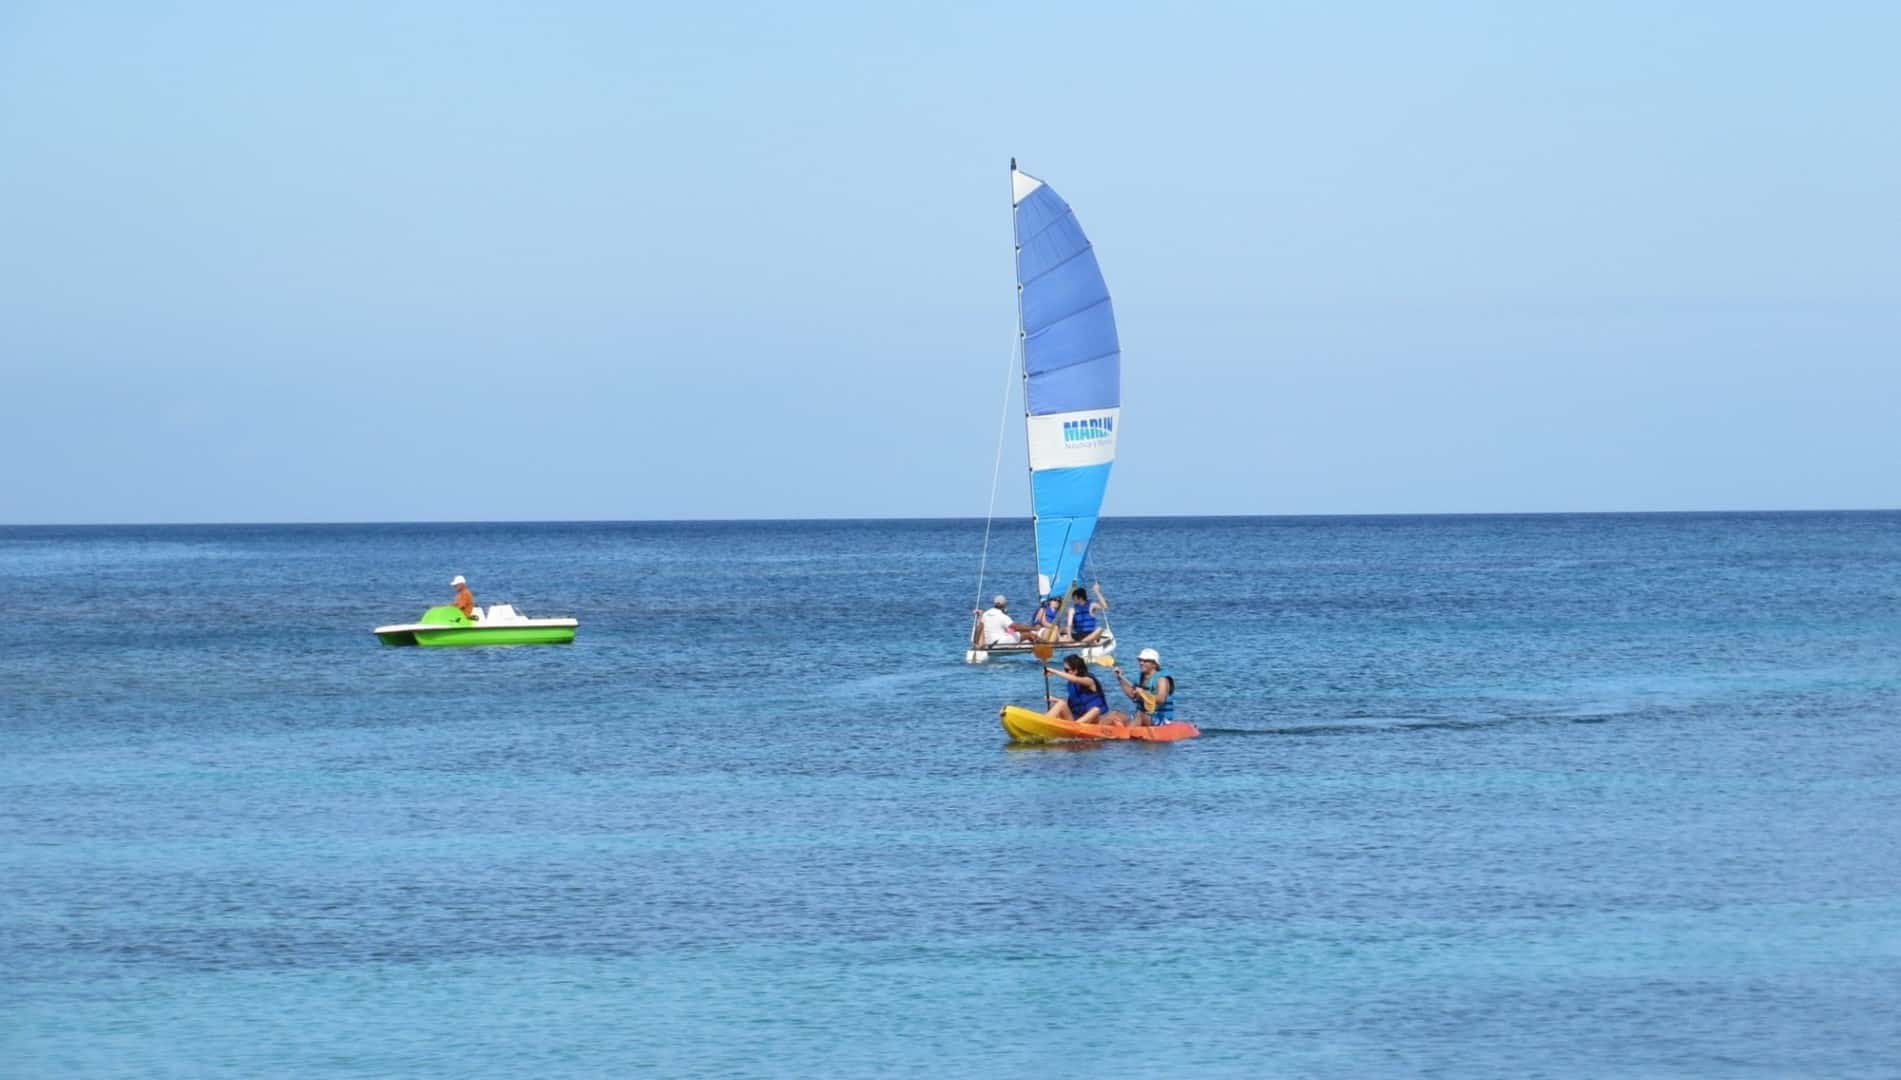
(934, 518)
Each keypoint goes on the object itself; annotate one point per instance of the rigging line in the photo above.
(1016, 351)
(996, 471)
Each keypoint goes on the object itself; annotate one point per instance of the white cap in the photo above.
(457, 580)
(1149, 654)
(999, 600)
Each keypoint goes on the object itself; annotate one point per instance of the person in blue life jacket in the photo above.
(1086, 702)
(1153, 693)
(1085, 625)
(1043, 625)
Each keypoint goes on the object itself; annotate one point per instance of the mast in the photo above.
(1016, 272)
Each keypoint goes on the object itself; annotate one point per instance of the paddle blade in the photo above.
(1042, 651)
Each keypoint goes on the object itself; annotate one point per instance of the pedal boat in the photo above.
(1030, 726)
(499, 624)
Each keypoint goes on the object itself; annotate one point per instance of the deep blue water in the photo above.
(1479, 796)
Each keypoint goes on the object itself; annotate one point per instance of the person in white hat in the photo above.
(997, 627)
(1154, 693)
(464, 599)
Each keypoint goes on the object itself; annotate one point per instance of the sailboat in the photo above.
(1071, 363)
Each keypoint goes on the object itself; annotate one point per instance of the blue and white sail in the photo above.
(1072, 374)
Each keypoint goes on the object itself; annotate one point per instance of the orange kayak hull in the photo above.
(1027, 725)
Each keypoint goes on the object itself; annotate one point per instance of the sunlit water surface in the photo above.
(1514, 796)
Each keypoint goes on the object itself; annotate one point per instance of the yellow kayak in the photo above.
(1027, 725)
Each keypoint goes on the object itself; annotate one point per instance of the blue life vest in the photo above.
(1046, 615)
(1082, 621)
(1165, 710)
(1084, 698)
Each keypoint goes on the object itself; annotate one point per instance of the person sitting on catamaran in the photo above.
(1154, 693)
(1084, 628)
(1043, 625)
(995, 625)
(1086, 703)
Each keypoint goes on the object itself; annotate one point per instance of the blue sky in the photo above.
(452, 261)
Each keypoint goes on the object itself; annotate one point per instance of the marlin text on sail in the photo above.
(1090, 430)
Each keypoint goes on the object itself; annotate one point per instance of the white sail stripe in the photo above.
(1021, 184)
(1072, 439)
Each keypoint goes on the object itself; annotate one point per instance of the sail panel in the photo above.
(1066, 502)
(1063, 293)
(1068, 372)
(1074, 439)
(1072, 367)
(1052, 249)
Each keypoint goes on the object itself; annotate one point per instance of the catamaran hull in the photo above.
(1102, 652)
(1030, 726)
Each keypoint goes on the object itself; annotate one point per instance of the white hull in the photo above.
(1102, 651)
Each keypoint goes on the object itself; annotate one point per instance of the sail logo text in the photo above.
(1077, 432)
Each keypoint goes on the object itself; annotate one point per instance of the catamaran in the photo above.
(1071, 363)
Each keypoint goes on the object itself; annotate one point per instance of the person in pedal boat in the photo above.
(1154, 693)
(1086, 703)
(1084, 628)
(464, 599)
(997, 626)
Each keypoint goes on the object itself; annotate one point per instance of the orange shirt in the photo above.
(465, 600)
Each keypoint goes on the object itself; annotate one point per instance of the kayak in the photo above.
(501, 624)
(1028, 725)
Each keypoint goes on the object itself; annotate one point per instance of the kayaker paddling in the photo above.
(1086, 703)
(1153, 693)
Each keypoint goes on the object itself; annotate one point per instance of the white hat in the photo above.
(1149, 654)
(999, 600)
(457, 580)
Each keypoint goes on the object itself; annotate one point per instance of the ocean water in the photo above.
(1477, 796)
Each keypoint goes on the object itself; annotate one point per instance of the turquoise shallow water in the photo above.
(1525, 796)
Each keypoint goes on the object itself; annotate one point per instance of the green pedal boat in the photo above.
(501, 624)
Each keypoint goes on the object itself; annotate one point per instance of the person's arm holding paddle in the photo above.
(1152, 692)
(1164, 686)
(1144, 701)
(1085, 703)
(1066, 676)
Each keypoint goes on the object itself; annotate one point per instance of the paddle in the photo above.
(1146, 699)
(1043, 650)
